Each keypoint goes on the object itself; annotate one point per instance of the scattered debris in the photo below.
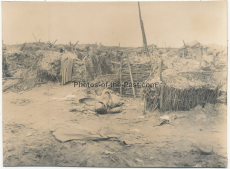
(165, 117)
(135, 130)
(22, 102)
(160, 122)
(109, 152)
(28, 134)
(141, 117)
(138, 160)
(204, 149)
(77, 109)
(128, 163)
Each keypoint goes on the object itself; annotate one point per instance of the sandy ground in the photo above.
(29, 118)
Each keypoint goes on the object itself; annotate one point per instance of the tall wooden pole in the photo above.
(162, 86)
(121, 77)
(143, 31)
(160, 69)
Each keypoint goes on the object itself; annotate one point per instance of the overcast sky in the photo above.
(112, 23)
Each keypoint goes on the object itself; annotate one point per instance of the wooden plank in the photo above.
(130, 72)
(10, 83)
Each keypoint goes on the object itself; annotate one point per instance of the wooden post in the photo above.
(161, 97)
(130, 72)
(214, 56)
(160, 69)
(162, 86)
(121, 77)
(144, 104)
(185, 49)
(201, 55)
(85, 69)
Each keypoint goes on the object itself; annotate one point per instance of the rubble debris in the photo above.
(135, 130)
(166, 117)
(22, 102)
(109, 152)
(160, 122)
(138, 160)
(203, 149)
(77, 109)
(141, 117)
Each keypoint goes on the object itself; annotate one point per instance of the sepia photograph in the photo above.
(114, 84)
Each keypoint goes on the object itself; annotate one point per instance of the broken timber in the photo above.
(143, 31)
(35, 38)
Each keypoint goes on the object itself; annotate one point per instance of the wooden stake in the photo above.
(121, 77)
(201, 55)
(144, 105)
(130, 72)
(214, 56)
(55, 42)
(162, 86)
(85, 69)
(185, 49)
(76, 43)
(161, 97)
(35, 38)
(160, 69)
